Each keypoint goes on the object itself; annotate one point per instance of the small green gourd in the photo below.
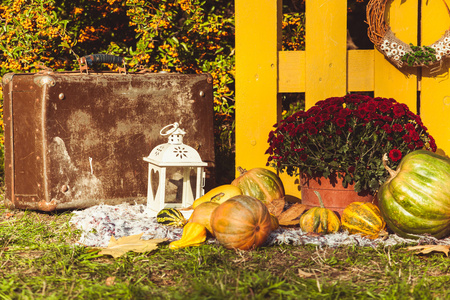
(171, 216)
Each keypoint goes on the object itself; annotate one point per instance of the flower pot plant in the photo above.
(345, 138)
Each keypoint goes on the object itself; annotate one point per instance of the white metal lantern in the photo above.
(174, 154)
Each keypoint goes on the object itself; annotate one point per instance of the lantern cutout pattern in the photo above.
(174, 154)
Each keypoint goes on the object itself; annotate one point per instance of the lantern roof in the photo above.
(174, 152)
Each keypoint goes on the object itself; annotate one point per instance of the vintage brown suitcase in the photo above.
(74, 140)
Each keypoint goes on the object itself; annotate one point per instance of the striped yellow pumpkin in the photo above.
(320, 219)
(363, 218)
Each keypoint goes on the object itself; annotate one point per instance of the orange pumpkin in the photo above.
(275, 222)
(202, 214)
(241, 222)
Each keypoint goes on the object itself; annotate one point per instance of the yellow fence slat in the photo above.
(258, 26)
(325, 59)
(326, 50)
(435, 86)
(360, 70)
(291, 71)
(389, 81)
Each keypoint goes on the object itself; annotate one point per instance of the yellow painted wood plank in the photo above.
(291, 72)
(291, 77)
(360, 67)
(391, 82)
(258, 27)
(325, 59)
(435, 21)
(435, 87)
(326, 50)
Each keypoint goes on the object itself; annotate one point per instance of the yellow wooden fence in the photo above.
(327, 69)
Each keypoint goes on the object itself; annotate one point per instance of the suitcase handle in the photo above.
(90, 60)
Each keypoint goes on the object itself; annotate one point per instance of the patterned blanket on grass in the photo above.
(99, 223)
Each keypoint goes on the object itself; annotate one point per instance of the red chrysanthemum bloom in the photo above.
(387, 128)
(432, 143)
(399, 110)
(341, 122)
(344, 112)
(325, 117)
(360, 113)
(414, 135)
(397, 128)
(312, 130)
(313, 111)
(384, 106)
(299, 129)
(395, 154)
(406, 138)
(304, 139)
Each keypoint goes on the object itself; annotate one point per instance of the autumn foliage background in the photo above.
(185, 36)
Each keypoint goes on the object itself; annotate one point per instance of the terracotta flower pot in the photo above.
(334, 195)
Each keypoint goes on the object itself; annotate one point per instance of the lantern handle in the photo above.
(174, 125)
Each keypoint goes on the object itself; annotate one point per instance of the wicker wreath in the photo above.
(395, 50)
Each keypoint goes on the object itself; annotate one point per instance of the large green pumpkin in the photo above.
(415, 200)
(260, 183)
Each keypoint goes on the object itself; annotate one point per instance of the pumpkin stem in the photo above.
(385, 161)
(320, 199)
(241, 170)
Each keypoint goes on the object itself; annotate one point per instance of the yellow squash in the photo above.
(194, 234)
(363, 218)
(219, 195)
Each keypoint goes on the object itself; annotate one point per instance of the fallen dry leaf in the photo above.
(425, 249)
(303, 274)
(110, 281)
(117, 248)
(276, 206)
(290, 216)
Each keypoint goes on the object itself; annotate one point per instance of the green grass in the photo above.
(38, 261)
